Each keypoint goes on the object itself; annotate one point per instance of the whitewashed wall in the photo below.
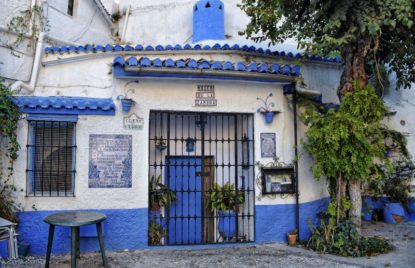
(92, 78)
(86, 26)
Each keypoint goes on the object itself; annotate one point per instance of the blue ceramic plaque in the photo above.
(110, 161)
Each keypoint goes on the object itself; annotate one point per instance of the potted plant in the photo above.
(156, 233)
(126, 102)
(161, 144)
(292, 237)
(396, 186)
(225, 200)
(265, 109)
(160, 196)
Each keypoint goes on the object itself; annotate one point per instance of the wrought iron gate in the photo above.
(201, 178)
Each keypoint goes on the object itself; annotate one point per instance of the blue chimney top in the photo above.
(208, 20)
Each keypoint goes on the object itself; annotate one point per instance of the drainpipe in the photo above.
(35, 69)
(124, 27)
(297, 205)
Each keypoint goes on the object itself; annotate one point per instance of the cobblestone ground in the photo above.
(269, 255)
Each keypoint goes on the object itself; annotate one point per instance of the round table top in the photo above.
(74, 218)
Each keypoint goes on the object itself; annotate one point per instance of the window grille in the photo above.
(190, 156)
(51, 158)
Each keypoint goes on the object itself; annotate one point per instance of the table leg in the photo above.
(78, 250)
(101, 243)
(49, 248)
(73, 246)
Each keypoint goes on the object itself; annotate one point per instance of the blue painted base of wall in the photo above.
(124, 229)
(274, 222)
(127, 228)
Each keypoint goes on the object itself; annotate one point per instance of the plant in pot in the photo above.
(156, 232)
(396, 186)
(265, 109)
(160, 196)
(126, 102)
(292, 237)
(225, 200)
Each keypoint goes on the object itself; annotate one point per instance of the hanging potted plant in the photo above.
(265, 109)
(161, 144)
(225, 200)
(126, 102)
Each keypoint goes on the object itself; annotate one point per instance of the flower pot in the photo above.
(227, 224)
(126, 105)
(292, 239)
(269, 117)
(393, 213)
(366, 215)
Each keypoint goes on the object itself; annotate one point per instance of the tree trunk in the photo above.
(355, 212)
(354, 71)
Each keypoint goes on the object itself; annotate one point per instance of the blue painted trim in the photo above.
(120, 73)
(286, 69)
(52, 117)
(55, 105)
(127, 228)
(236, 47)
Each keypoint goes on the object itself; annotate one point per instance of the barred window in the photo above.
(51, 158)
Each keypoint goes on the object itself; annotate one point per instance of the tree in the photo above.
(366, 34)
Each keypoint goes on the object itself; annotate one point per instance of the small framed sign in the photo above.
(133, 122)
(268, 145)
(205, 96)
(277, 180)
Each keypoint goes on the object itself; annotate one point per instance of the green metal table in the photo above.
(75, 220)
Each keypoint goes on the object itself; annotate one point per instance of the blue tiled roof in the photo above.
(245, 48)
(289, 70)
(65, 105)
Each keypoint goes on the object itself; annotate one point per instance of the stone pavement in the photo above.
(266, 255)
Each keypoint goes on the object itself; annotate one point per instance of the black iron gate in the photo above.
(201, 178)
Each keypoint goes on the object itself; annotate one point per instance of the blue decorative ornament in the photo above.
(190, 145)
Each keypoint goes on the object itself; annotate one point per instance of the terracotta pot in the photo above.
(292, 239)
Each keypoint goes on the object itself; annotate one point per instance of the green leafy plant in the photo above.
(9, 118)
(224, 197)
(155, 233)
(397, 184)
(344, 240)
(160, 194)
(30, 21)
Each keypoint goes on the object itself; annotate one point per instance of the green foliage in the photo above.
(343, 239)
(383, 30)
(9, 117)
(397, 184)
(155, 233)
(225, 197)
(30, 21)
(347, 141)
(160, 195)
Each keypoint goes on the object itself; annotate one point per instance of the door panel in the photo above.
(185, 214)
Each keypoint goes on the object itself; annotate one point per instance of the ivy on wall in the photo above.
(9, 117)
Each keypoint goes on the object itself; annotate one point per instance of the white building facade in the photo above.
(193, 124)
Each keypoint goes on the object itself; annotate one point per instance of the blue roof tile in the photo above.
(65, 105)
(138, 47)
(209, 65)
(157, 62)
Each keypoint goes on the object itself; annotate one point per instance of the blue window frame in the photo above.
(51, 153)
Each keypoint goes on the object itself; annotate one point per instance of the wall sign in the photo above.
(268, 145)
(133, 122)
(205, 95)
(110, 161)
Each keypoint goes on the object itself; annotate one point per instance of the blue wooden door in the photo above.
(185, 214)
